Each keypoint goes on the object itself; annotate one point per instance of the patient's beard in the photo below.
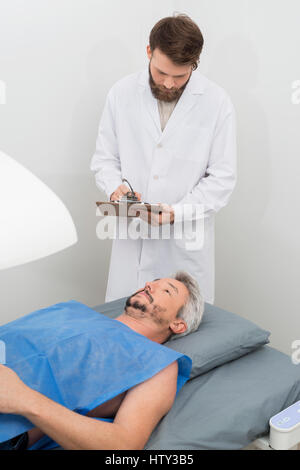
(135, 309)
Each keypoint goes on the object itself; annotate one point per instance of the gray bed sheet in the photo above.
(229, 406)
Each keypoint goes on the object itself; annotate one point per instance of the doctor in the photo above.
(170, 132)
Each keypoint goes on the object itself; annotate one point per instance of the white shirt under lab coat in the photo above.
(193, 161)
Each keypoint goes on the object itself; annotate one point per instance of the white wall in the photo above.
(252, 50)
(58, 58)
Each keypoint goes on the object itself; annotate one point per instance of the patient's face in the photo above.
(159, 300)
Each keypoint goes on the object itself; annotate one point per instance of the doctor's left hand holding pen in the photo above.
(164, 216)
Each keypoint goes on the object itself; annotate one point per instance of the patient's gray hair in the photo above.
(192, 311)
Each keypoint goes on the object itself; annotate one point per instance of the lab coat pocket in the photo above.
(194, 148)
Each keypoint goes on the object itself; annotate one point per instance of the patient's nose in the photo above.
(149, 286)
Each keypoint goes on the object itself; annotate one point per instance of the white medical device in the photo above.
(285, 428)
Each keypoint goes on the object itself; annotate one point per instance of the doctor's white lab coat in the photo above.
(193, 161)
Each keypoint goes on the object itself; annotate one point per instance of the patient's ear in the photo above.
(178, 326)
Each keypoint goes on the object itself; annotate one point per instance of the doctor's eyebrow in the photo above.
(173, 76)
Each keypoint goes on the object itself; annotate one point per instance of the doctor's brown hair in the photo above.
(179, 38)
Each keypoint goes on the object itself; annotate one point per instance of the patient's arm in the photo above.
(106, 410)
(139, 413)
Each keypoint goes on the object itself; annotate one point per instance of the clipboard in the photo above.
(127, 209)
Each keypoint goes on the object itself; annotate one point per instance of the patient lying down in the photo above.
(163, 309)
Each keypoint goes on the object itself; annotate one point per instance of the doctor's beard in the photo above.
(167, 96)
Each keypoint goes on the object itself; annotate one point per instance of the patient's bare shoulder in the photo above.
(160, 389)
(164, 381)
(167, 378)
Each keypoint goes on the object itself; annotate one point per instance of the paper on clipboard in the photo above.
(126, 209)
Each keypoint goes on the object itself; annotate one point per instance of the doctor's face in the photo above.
(158, 301)
(167, 80)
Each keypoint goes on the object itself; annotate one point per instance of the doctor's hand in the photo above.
(13, 392)
(164, 216)
(122, 190)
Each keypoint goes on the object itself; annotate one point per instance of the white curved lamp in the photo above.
(34, 223)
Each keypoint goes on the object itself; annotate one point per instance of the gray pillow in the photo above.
(221, 337)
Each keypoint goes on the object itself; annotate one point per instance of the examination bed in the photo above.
(238, 383)
(235, 384)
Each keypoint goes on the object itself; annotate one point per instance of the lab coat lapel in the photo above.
(187, 101)
(185, 104)
(151, 107)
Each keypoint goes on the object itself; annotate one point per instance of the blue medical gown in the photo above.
(80, 359)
